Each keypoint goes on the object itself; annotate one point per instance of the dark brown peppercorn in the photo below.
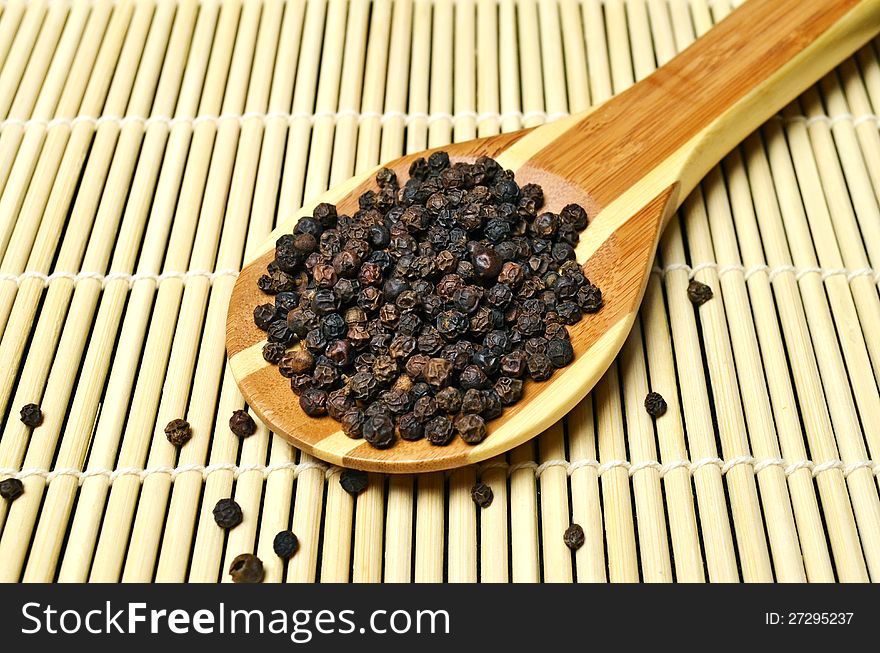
(439, 431)
(473, 402)
(285, 544)
(227, 513)
(514, 363)
(300, 383)
(699, 293)
(449, 400)
(242, 424)
(437, 372)
(313, 402)
(363, 386)
(471, 428)
(655, 404)
(273, 351)
(589, 298)
(246, 568)
(482, 495)
(339, 403)
(264, 315)
(540, 367)
(297, 362)
(573, 537)
(11, 489)
(472, 377)
(31, 415)
(353, 423)
(509, 390)
(425, 408)
(397, 400)
(410, 427)
(178, 432)
(560, 352)
(378, 429)
(354, 481)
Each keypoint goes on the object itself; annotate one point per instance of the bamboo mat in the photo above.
(146, 144)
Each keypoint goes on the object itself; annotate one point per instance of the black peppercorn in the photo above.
(242, 424)
(439, 431)
(31, 415)
(285, 544)
(398, 401)
(354, 481)
(410, 427)
(378, 430)
(573, 537)
(313, 402)
(178, 432)
(353, 423)
(471, 428)
(438, 372)
(246, 568)
(339, 403)
(699, 293)
(514, 363)
(655, 404)
(264, 315)
(11, 489)
(509, 390)
(300, 383)
(363, 386)
(273, 351)
(449, 400)
(482, 495)
(425, 408)
(472, 377)
(560, 352)
(227, 513)
(539, 366)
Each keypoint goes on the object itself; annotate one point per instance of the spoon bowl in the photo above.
(630, 162)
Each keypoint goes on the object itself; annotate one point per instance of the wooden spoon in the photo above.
(630, 162)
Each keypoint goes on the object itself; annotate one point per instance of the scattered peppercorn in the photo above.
(178, 432)
(242, 424)
(573, 537)
(699, 293)
(246, 568)
(11, 489)
(353, 481)
(424, 312)
(482, 495)
(655, 404)
(31, 415)
(227, 513)
(285, 544)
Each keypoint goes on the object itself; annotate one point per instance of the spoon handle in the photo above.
(676, 124)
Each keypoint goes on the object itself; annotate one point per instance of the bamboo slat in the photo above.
(147, 145)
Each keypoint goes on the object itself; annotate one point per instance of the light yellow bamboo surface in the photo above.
(145, 145)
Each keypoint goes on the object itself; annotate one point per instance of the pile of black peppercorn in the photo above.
(422, 314)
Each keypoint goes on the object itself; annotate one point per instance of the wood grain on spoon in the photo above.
(630, 162)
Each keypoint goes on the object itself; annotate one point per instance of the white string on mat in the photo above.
(692, 466)
(361, 116)
(117, 276)
(570, 467)
(173, 472)
(692, 270)
(772, 273)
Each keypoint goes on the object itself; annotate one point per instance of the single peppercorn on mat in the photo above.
(114, 297)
